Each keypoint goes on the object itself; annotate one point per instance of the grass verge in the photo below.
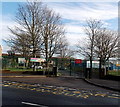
(114, 72)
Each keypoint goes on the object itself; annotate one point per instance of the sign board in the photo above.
(37, 60)
(117, 65)
(78, 61)
(21, 60)
(95, 64)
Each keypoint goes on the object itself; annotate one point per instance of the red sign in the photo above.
(78, 61)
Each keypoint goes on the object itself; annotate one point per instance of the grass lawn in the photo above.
(22, 69)
(114, 72)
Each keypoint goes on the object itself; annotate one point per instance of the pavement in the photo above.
(68, 81)
(107, 84)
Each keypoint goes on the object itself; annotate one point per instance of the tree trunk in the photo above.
(90, 72)
(46, 52)
(100, 70)
(33, 62)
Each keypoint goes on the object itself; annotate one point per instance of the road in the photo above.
(49, 96)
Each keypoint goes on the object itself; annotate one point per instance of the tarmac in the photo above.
(69, 81)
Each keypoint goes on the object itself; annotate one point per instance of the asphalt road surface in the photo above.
(14, 96)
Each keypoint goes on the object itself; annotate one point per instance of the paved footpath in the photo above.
(108, 84)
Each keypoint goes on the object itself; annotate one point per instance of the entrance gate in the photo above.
(73, 69)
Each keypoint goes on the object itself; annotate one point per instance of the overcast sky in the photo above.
(73, 15)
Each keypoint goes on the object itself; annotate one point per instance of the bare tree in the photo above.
(19, 44)
(64, 49)
(106, 46)
(64, 52)
(52, 32)
(87, 50)
(27, 32)
(63, 45)
(38, 30)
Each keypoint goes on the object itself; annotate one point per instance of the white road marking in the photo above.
(115, 95)
(33, 104)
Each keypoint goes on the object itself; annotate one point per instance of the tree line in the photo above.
(39, 32)
(101, 43)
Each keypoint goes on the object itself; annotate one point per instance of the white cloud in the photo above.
(5, 48)
(74, 29)
(63, 0)
(80, 12)
(5, 23)
(75, 38)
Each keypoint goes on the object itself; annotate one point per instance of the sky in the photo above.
(74, 16)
